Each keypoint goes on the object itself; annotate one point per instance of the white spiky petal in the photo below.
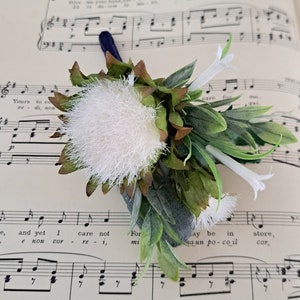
(112, 133)
(216, 211)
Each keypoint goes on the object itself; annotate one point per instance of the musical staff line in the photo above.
(288, 86)
(256, 219)
(45, 271)
(169, 29)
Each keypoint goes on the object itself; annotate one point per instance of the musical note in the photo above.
(40, 221)
(63, 218)
(29, 217)
(257, 222)
(90, 220)
(106, 220)
(230, 85)
(102, 276)
(25, 90)
(84, 272)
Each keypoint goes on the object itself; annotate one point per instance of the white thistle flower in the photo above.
(112, 133)
(254, 179)
(216, 67)
(216, 211)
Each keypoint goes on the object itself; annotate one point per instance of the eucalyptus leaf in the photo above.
(200, 153)
(246, 113)
(169, 269)
(204, 119)
(223, 102)
(271, 132)
(234, 151)
(195, 196)
(159, 197)
(241, 133)
(151, 233)
(171, 233)
(180, 77)
(168, 260)
(137, 201)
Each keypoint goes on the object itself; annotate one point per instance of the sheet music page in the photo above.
(55, 242)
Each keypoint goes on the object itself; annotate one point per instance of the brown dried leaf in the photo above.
(111, 60)
(145, 182)
(57, 134)
(140, 71)
(181, 131)
(163, 135)
(59, 101)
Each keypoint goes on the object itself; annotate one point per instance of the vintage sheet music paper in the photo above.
(55, 243)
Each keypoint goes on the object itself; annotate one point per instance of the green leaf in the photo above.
(149, 101)
(76, 76)
(209, 185)
(246, 113)
(188, 143)
(204, 119)
(234, 151)
(137, 201)
(180, 77)
(169, 269)
(171, 233)
(115, 67)
(173, 162)
(174, 117)
(271, 132)
(151, 233)
(168, 260)
(68, 167)
(227, 46)
(161, 118)
(200, 153)
(159, 195)
(241, 133)
(193, 95)
(79, 79)
(91, 186)
(223, 102)
(195, 197)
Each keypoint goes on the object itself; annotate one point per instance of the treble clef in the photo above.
(5, 90)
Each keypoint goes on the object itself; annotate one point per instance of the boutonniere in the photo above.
(159, 144)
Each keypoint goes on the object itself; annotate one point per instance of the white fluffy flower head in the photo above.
(112, 133)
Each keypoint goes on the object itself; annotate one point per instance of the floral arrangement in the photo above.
(159, 144)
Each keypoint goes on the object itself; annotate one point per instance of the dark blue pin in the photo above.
(107, 43)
